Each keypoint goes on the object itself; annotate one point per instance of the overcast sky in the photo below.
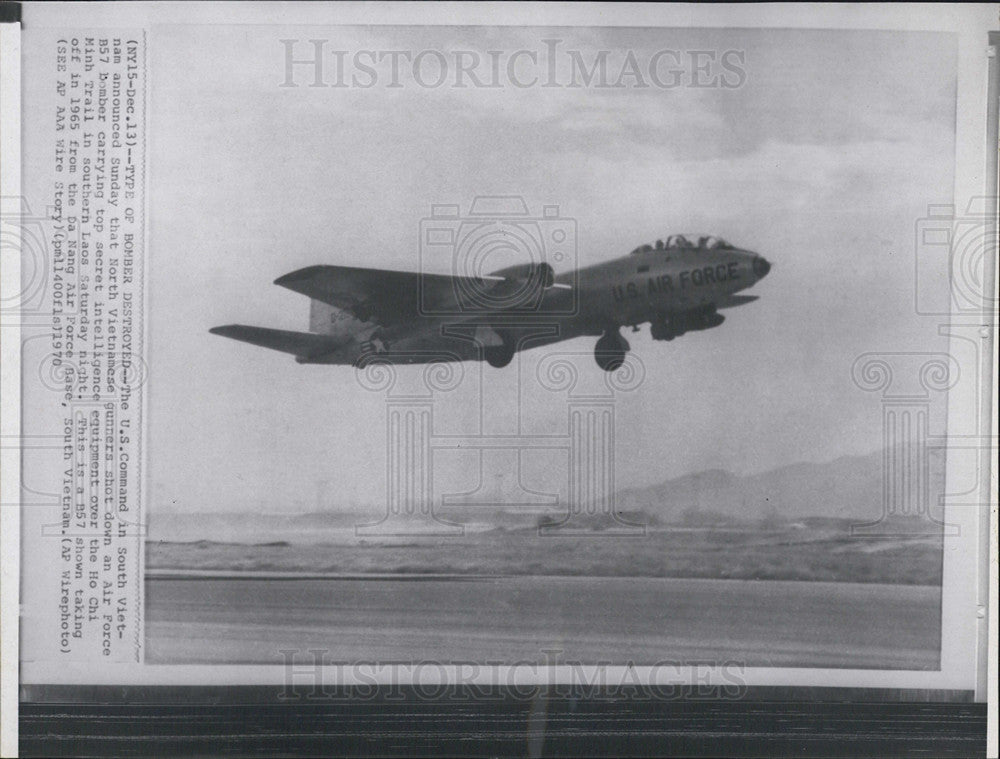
(823, 160)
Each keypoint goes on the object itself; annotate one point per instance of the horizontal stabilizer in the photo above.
(301, 344)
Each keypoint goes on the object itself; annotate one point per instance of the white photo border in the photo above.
(965, 589)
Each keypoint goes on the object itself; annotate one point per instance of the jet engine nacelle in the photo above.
(705, 320)
(536, 272)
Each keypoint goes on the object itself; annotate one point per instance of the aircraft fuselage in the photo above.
(363, 315)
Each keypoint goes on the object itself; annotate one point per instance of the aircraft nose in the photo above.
(761, 267)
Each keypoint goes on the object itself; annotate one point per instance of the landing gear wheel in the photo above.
(610, 351)
(498, 356)
(610, 362)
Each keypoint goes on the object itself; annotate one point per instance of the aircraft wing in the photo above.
(305, 344)
(387, 297)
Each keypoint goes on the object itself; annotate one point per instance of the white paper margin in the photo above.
(10, 390)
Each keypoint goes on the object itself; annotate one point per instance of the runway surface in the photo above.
(510, 619)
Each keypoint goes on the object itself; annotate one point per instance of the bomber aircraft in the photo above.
(361, 315)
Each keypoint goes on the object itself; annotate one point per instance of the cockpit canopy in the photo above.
(698, 242)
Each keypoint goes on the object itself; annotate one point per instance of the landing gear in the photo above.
(610, 350)
(498, 356)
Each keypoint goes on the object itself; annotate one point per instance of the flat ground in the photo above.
(823, 551)
(612, 619)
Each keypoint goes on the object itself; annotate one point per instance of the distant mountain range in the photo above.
(849, 487)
